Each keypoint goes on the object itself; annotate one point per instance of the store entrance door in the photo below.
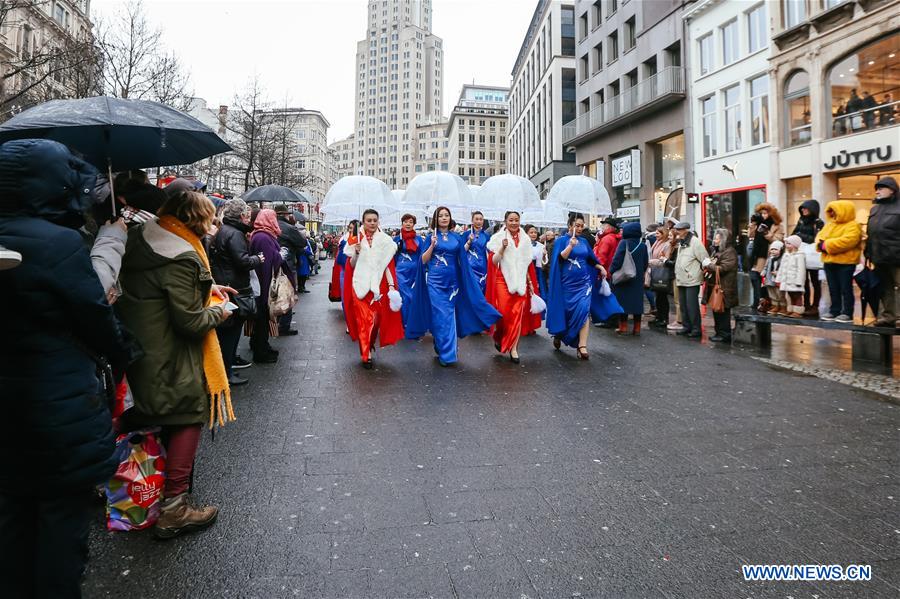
(730, 210)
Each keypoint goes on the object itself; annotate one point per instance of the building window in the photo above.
(582, 27)
(863, 93)
(759, 110)
(794, 12)
(705, 45)
(708, 110)
(597, 13)
(732, 102)
(612, 47)
(629, 34)
(612, 7)
(598, 58)
(567, 25)
(796, 109)
(730, 48)
(757, 34)
(583, 69)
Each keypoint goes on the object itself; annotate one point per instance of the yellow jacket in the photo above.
(842, 234)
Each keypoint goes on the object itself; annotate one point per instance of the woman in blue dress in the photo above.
(476, 249)
(408, 262)
(573, 271)
(540, 258)
(453, 305)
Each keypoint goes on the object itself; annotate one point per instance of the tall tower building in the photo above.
(399, 85)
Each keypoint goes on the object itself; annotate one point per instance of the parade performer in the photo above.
(572, 275)
(512, 285)
(336, 292)
(476, 249)
(541, 258)
(452, 302)
(370, 295)
(409, 265)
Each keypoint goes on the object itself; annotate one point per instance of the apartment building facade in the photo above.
(629, 131)
(430, 151)
(477, 133)
(729, 111)
(542, 97)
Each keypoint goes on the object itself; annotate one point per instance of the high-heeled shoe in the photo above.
(514, 359)
(557, 343)
(498, 348)
(368, 364)
(583, 355)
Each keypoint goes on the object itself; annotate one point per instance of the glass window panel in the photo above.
(730, 49)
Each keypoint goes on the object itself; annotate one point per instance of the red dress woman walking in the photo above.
(371, 298)
(512, 283)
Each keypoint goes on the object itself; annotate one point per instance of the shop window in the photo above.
(863, 88)
(797, 113)
(798, 191)
(860, 189)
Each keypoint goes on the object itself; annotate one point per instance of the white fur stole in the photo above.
(372, 262)
(515, 260)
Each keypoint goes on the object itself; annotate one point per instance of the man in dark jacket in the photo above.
(231, 264)
(883, 248)
(56, 436)
(293, 242)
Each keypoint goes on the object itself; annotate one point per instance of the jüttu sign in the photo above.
(844, 159)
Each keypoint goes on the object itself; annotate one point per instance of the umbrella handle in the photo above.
(112, 187)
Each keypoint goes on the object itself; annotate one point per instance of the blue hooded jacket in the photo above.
(56, 432)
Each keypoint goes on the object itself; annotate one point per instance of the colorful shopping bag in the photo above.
(134, 492)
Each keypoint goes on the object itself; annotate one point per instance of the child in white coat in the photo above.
(792, 274)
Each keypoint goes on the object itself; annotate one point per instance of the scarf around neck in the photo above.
(409, 239)
(220, 409)
(515, 260)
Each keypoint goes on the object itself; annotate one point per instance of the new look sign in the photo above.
(626, 170)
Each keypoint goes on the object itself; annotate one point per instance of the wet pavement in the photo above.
(654, 470)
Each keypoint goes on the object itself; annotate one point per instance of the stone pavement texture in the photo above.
(654, 470)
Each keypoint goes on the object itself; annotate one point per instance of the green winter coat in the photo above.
(164, 291)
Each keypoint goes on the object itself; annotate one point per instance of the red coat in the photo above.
(367, 321)
(605, 248)
(516, 317)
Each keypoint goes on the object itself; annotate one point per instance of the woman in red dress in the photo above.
(512, 283)
(371, 298)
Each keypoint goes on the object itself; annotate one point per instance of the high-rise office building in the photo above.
(399, 85)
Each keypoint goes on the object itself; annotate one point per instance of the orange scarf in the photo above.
(220, 410)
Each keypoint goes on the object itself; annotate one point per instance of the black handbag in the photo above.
(246, 304)
(661, 278)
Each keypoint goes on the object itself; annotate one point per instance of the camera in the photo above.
(757, 219)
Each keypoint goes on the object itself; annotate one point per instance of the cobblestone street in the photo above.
(655, 470)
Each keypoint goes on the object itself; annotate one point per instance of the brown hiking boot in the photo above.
(179, 514)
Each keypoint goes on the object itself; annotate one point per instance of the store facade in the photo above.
(837, 83)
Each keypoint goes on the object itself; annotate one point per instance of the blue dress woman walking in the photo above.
(573, 269)
(456, 306)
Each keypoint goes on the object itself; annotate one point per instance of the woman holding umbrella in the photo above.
(572, 274)
(453, 305)
(476, 249)
(409, 265)
(511, 286)
(371, 296)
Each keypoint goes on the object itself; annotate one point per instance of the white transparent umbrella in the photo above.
(502, 193)
(393, 221)
(579, 193)
(550, 216)
(440, 188)
(350, 196)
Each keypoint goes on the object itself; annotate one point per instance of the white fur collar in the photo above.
(515, 261)
(372, 262)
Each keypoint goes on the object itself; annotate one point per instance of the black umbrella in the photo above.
(275, 193)
(869, 290)
(118, 134)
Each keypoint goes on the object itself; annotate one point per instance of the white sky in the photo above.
(305, 50)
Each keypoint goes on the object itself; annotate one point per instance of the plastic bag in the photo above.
(605, 291)
(134, 492)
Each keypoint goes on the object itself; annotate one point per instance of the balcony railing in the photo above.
(666, 82)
